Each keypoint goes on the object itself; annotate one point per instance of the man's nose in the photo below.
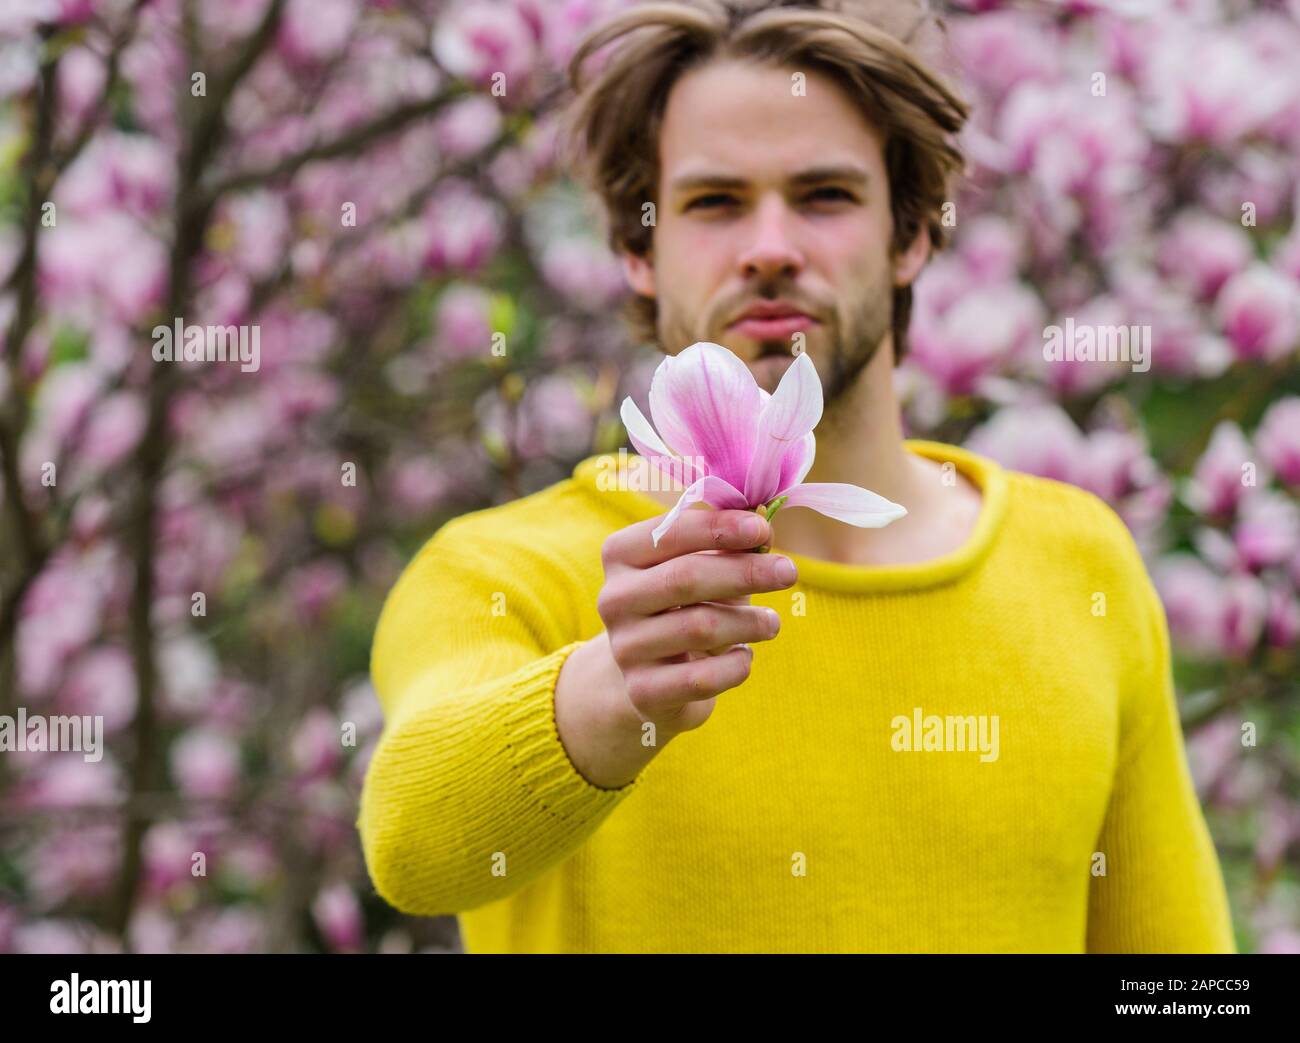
(771, 251)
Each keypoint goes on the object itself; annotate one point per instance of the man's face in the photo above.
(734, 227)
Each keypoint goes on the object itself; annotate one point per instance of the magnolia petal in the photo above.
(666, 417)
(846, 503)
(709, 394)
(797, 463)
(715, 491)
(648, 443)
(787, 417)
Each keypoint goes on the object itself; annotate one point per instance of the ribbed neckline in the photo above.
(986, 474)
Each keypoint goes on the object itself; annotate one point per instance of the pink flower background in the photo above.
(202, 574)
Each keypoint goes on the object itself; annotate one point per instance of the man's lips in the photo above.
(760, 327)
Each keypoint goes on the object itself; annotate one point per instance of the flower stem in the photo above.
(766, 513)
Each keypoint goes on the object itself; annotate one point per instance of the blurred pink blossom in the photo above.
(1193, 600)
(315, 587)
(1218, 482)
(1117, 464)
(106, 262)
(1037, 438)
(313, 31)
(60, 614)
(130, 173)
(1213, 751)
(114, 430)
(1219, 98)
(72, 863)
(554, 419)
(1204, 252)
(1259, 312)
(978, 334)
(584, 271)
(153, 930)
(68, 780)
(102, 682)
(464, 325)
(81, 80)
(316, 747)
(417, 484)
(233, 929)
(467, 126)
(60, 937)
(1283, 624)
(1278, 439)
(338, 918)
(168, 852)
(476, 41)
(462, 230)
(1283, 940)
(1244, 611)
(1001, 50)
(1268, 529)
(205, 763)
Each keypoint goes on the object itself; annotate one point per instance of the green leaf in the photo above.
(68, 345)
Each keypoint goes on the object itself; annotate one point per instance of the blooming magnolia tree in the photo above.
(196, 532)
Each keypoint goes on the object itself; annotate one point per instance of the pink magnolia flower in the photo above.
(1218, 482)
(464, 321)
(1204, 252)
(169, 849)
(1257, 311)
(1036, 437)
(1243, 614)
(1278, 439)
(1192, 595)
(312, 33)
(338, 918)
(740, 447)
(316, 747)
(1283, 623)
(205, 763)
(466, 126)
(1268, 530)
(477, 41)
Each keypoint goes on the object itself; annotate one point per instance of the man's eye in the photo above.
(704, 199)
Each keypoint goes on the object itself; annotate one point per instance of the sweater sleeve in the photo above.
(1163, 889)
(470, 793)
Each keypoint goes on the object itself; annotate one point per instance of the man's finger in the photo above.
(691, 531)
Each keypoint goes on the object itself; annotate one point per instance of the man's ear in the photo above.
(640, 272)
(908, 264)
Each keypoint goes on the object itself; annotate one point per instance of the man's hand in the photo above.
(677, 625)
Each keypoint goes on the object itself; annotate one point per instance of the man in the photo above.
(955, 733)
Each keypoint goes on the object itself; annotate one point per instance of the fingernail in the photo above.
(751, 528)
(785, 570)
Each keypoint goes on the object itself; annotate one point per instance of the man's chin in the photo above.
(769, 369)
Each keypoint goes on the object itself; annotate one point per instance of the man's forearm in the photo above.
(597, 724)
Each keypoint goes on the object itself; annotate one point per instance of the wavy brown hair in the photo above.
(882, 53)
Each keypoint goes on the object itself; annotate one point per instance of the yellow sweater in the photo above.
(979, 753)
